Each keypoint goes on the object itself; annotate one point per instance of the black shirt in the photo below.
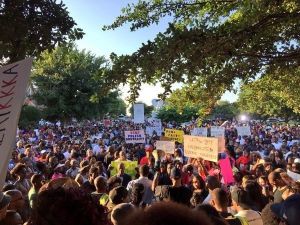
(180, 195)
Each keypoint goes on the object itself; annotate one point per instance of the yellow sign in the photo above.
(129, 167)
(166, 146)
(174, 135)
(201, 147)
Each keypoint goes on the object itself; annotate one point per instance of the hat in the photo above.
(297, 160)
(288, 209)
(175, 173)
(149, 148)
(4, 200)
(118, 194)
(241, 197)
(59, 166)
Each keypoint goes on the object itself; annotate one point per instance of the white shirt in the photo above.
(252, 217)
(148, 194)
(96, 149)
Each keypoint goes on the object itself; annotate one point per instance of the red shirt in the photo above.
(144, 161)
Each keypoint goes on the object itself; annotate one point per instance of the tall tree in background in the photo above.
(71, 83)
(272, 97)
(215, 41)
(29, 27)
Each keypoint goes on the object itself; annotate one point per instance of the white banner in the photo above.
(135, 137)
(154, 122)
(243, 131)
(138, 113)
(166, 146)
(14, 80)
(217, 131)
(199, 131)
(158, 130)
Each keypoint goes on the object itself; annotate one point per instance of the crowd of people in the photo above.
(63, 175)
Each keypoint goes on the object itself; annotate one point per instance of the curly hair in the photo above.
(67, 206)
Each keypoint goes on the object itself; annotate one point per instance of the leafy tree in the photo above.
(211, 41)
(29, 27)
(72, 83)
(196, 96)
(168, 114)
(225, 110)
(29, 116)
(272, 97)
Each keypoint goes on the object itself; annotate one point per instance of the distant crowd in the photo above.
(86, 174)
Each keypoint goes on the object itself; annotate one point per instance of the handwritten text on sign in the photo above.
(166, 146)
(13, 83)
(201, 147)
(174, 135)
(135, 136)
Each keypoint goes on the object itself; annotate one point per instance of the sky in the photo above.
(92, 15)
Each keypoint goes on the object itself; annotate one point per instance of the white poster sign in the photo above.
(154, 122)
(150, 130)
(166, 146)
(217, 131)
(14, 80)
(243, 131)
(138, 113)
(135, 137)
(199, 131)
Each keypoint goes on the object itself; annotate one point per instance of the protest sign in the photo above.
(138, 113)
(166, 146)
(158, 130)
(135, 137)
(201, 147)
(129, 167)
(217, 131)
(14, 79)
(226, 170)
(221, 144)
(243, 131)
(107, 123)
(174, 135)
(154, 122)
(293, 175)
(199, 131)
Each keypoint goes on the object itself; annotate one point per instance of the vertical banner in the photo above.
(14, 80)
(201, 147)
(138, 112)
(226, 170)
(243, 131)
(135, 137)
(174, 135)
(217, 131)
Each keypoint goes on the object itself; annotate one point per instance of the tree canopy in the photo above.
(71, 83)
(29, 27)
(272, 97)
(210, 43)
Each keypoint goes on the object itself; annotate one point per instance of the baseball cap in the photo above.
(4, 200)
(289, 210)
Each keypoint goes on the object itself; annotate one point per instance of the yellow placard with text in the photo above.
(129, 167)
(201, 147)
(174, 135)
